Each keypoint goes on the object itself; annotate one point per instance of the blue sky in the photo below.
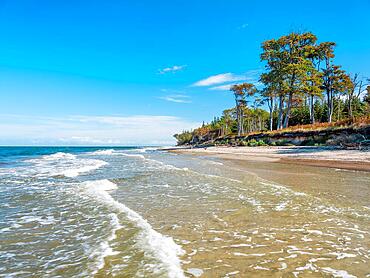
(135, 72)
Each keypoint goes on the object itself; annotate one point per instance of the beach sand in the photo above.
(312, 156)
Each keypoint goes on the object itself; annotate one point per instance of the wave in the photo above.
(116, 153)
(133, 155)
(64, 164)
(91, 165)
(59, 155)
(144, 150)
(103, 152)
(162, 248)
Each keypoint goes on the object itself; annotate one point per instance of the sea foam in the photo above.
(65, 164)
(162, 248)
(103, 152)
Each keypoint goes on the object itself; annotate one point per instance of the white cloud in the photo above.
(225, 87)
(219, 79)
(177, 98)
(250, 76)
(91, 130)
(171, 69)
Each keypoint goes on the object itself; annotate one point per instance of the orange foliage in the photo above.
(202, 130)
(356, 122)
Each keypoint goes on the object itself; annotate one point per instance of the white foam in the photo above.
(342, 255)
(249, 255)
(215, 162)
(65, 164)
(133, 155)
(166, 166)
(196, 272)
(252, 201)
(281, 206)
(59, 155)
(103, 152)
(143, 150)
(162, 248)
(90, 165)
(337, 273)
(232, 273)
(104, 249)
(308, 266)
(283, 266)
(32, 218)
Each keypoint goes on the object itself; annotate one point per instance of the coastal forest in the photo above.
(301, 86)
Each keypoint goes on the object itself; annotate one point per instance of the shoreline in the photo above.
(310, 156)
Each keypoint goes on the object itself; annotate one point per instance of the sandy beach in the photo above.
(312, 156)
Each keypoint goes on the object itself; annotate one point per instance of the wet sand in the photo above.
(266, 218)
(311, 156)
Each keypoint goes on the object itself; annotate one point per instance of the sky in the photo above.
(136, 72)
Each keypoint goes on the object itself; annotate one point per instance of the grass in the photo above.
(357, 122)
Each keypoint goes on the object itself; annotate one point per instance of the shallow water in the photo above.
(83, 212)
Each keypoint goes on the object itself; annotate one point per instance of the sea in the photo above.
(144, 212)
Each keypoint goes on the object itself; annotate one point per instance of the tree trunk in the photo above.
(238, 117)
(312, 110)
(350, 112)
(271, 120)
(280, 116)
(242, 120)
(338, 109)
(330, 106)
(260, 122)
(287, 115)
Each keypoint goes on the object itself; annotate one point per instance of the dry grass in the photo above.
(357, 122)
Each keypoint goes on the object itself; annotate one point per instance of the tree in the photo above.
(241, 91)
(367, 96)
(184, 137)
(332, 75)
(227, 120)
(274, 78)
(288, 63)
(269, 95)
(314, 87)
(356, 88)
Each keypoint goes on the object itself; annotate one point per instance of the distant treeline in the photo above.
(301, 85)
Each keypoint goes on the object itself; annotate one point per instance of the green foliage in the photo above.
(252, 143)
(300, 116)
(184, 137)
(283, 142)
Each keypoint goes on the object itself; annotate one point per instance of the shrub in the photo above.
(283, 142)
(242, 143)
(261, 143)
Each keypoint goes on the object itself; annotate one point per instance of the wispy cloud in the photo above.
(245, 25)
(171, 69)
(223, 80)
(219, 79)
(225, 87)
(177, 98)
(91, 130)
